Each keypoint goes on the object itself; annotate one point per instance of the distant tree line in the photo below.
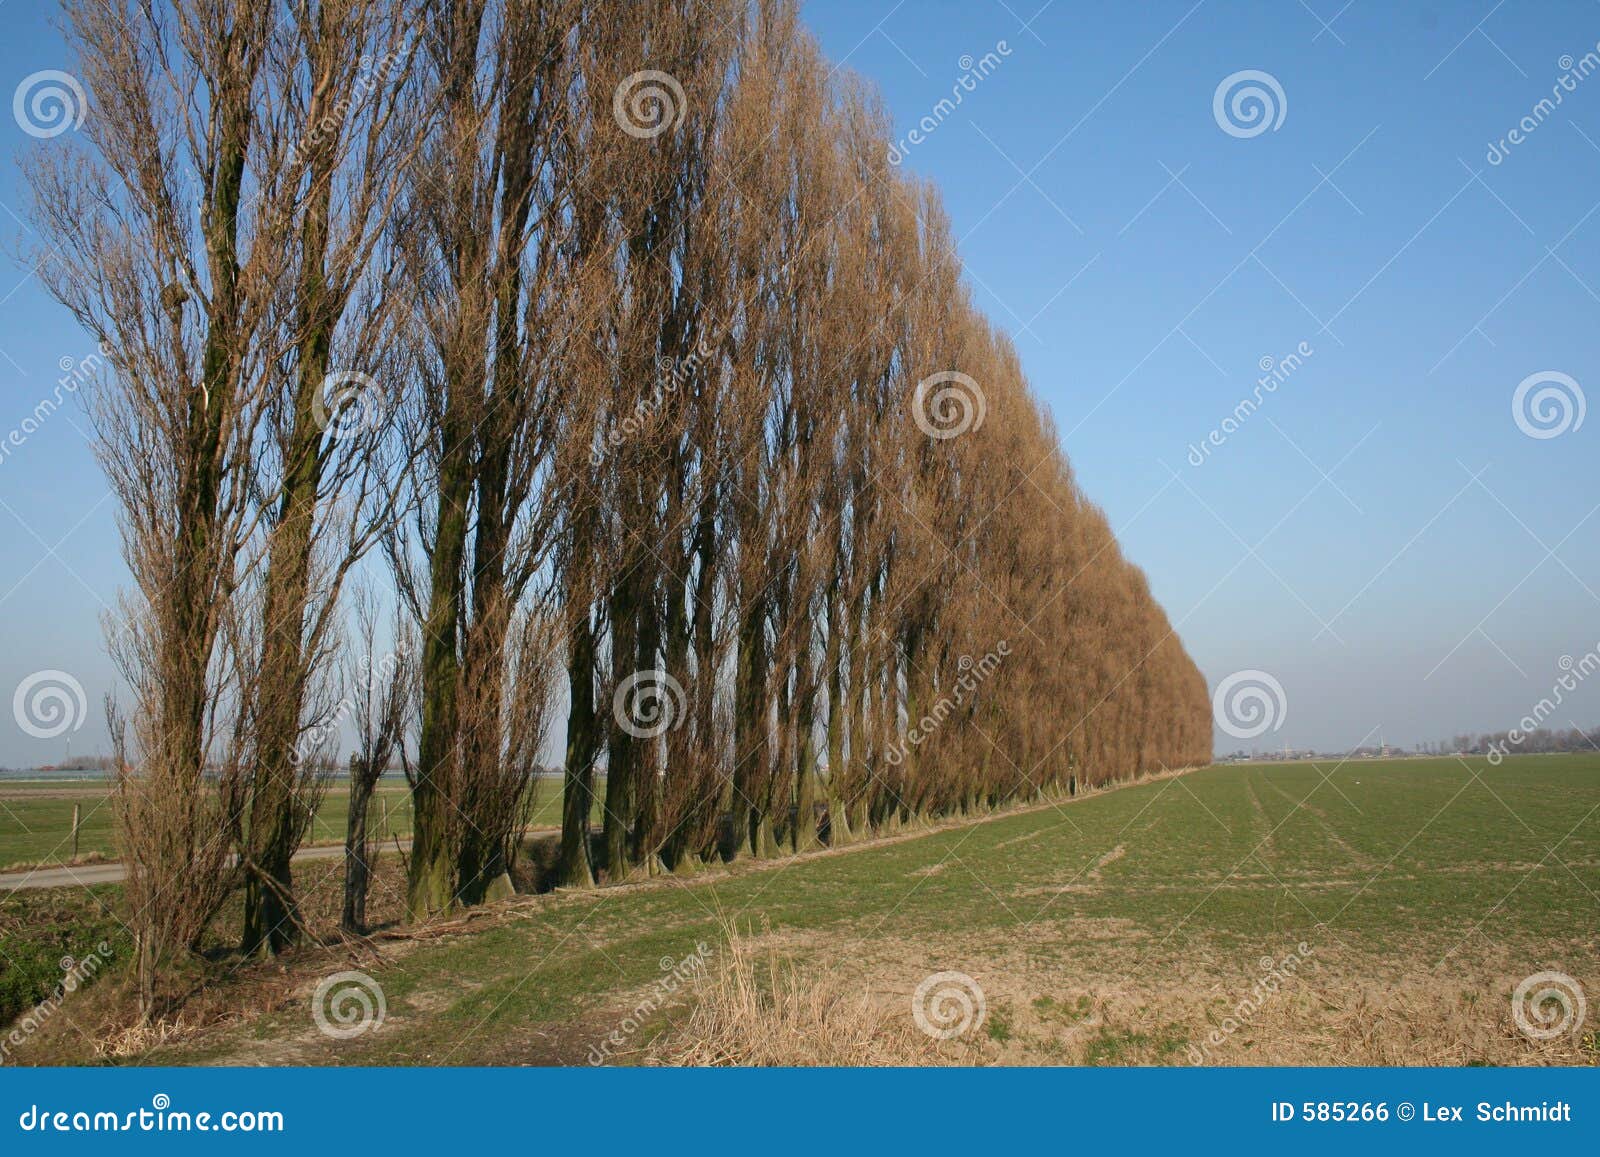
(1540, 740)
(607, 337)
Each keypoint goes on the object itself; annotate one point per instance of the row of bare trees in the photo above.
(612, 331)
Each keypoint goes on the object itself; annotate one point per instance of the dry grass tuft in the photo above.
(753, 1011)
(135, 1040)
(1424, 1022)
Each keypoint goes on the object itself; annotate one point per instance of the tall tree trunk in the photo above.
(838, 715)
(357, 851)
(750, 731)
(675, 817)
(624, 606)
(583, 743)
(271, 915)
(706, 666)
(805, 821)
(430, 887)
(647, 752)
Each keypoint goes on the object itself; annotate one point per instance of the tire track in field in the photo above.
(1359, 859)
(1261, 822)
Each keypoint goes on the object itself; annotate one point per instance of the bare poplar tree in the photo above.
(167, 239)
(378, 686)
(490, 236)
(344, 133)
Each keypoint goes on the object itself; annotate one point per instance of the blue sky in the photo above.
(1380, 536)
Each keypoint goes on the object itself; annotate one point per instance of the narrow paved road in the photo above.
(85, 874)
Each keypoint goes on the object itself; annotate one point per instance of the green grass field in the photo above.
(1114, 928)
(36, 817)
